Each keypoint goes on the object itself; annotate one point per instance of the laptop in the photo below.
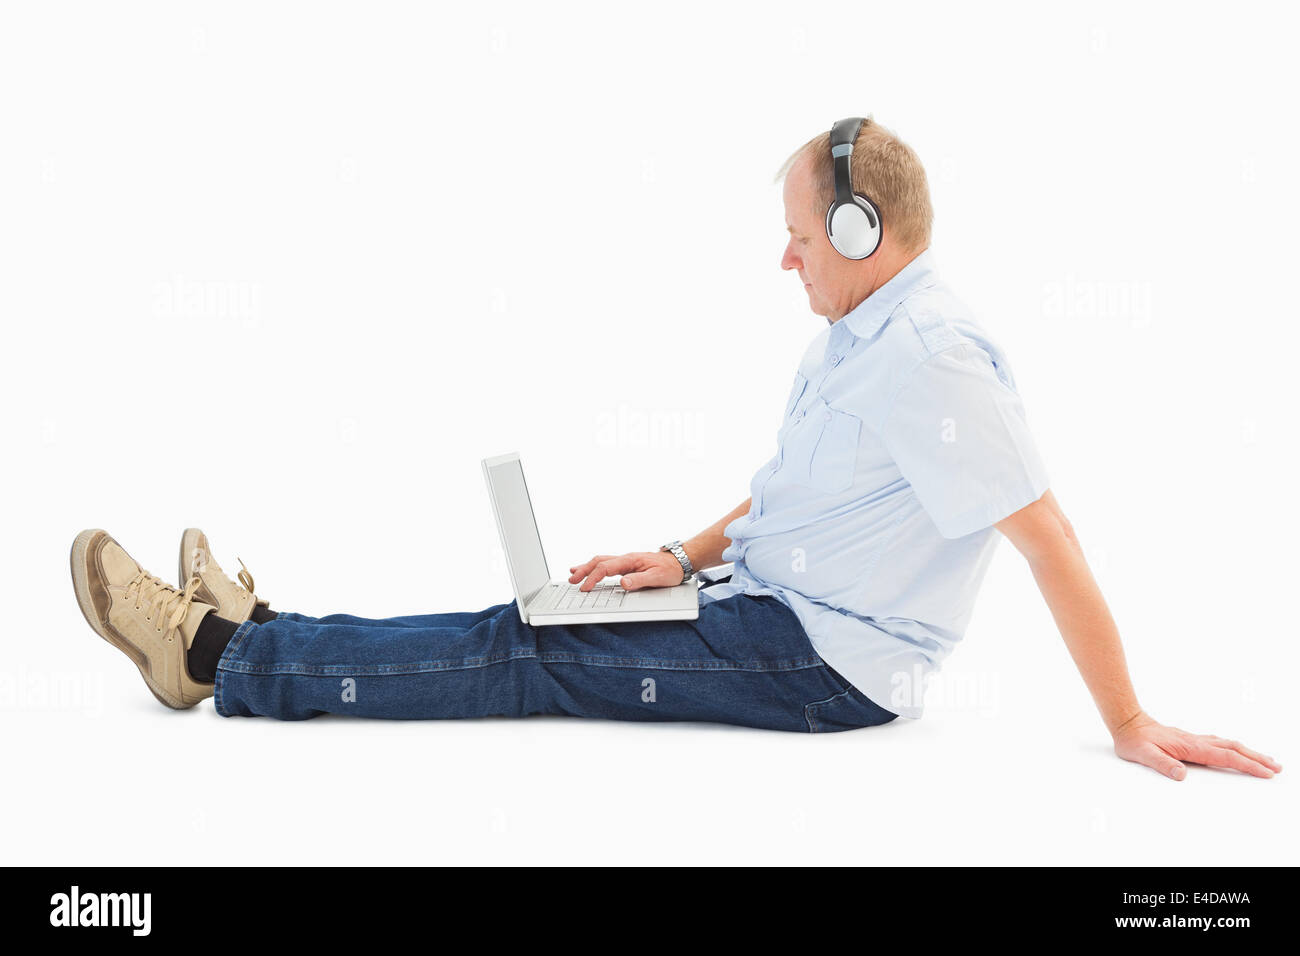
(543, 601)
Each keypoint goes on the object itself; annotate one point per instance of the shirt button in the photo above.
(828, 416)
(835, 360)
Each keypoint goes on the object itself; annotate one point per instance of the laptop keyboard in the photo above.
(603, 595)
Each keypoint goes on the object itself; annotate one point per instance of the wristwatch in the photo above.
(677, 551)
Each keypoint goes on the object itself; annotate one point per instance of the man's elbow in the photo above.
(1040, 529)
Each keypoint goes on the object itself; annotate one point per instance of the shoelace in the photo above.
(166, 604)
(245, 577)
(201, 562)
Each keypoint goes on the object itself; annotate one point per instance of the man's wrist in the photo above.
(678, 551)
(1134, 720)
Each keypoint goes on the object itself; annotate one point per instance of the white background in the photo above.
(287, 272)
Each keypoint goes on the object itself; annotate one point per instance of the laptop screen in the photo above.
(519, 536)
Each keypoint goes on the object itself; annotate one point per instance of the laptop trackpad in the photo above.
(650, 598)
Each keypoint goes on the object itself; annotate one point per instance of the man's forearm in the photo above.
(705, 549)
(1085, 622)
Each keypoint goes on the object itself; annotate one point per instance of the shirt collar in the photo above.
(872, 312)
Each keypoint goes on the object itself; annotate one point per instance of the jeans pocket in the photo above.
(850, 709)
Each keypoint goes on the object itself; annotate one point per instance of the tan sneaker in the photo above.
(145, 618)
(233, 601)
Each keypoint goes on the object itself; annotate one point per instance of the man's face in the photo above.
(830, 280)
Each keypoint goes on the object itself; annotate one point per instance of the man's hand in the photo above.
(640, 569)
(1144, 740)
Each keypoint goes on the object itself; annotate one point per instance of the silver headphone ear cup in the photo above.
(850, 229)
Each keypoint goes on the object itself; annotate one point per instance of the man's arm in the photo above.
(1043, 535)
(705, 549)
(658, 569)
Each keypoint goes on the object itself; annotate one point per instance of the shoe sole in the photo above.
(81, 585)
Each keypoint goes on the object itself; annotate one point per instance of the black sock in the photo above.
(210, 642)
(261, 614)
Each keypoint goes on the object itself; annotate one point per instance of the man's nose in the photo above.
(789, 260)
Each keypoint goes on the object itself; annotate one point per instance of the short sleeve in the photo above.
(959, 435)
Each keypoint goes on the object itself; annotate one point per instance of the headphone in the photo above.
(853, 221)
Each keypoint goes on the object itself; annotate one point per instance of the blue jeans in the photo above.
(746, 660)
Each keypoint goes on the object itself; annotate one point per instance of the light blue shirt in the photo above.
(904, 442)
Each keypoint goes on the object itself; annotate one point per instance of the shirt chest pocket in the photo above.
(796, 393)
(820, 449)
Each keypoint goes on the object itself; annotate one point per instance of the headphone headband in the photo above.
(844, 134)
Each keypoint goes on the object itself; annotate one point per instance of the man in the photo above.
(856, 560)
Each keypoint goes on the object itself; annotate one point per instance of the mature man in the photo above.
(904, 454)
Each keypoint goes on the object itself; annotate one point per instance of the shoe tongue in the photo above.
(119, 567)
(200, 560)
(208, 565)
(190, 626)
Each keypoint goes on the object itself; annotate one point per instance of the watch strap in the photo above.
(677, 551)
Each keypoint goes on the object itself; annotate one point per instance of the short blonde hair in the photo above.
(883, 168)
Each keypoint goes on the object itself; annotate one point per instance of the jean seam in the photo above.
(430, 667)
(227, 658)
(808, 709)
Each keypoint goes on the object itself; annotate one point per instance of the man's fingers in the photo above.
(1213, 756)
(641, 579)
(580, 571)
(1155, 758)
(1204, 749)
(1265, 759)
(604, 569)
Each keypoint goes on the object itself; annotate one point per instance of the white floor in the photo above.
(99, 773)
(1010, 764)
